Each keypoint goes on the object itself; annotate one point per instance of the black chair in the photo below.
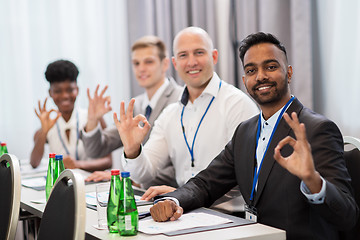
(10, 189)
(352, 158)
(64, 214)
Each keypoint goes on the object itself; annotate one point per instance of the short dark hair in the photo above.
(60, 71)
(151, 41)
(257, 38)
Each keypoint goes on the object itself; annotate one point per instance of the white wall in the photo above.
(91, 33)
(339, 47)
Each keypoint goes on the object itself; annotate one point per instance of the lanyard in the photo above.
(191, 150)
(256, 174)
(77, 137)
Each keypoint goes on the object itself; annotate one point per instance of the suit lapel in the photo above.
(249, 151)
(162, 102)
(282, 131)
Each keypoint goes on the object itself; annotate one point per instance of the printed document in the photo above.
(186, 221)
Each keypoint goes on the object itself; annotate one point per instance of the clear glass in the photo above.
(102, 196)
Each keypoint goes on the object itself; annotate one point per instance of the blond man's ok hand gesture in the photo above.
(130, 130)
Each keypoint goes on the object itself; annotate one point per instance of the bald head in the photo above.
(189, 31)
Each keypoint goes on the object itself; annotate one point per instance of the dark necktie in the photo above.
(148, 112)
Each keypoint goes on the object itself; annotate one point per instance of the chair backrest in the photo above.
(10, 189)
(64, 214)
(352, 158)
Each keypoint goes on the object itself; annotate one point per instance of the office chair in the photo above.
(64, 214)
(352, 158)
(10, 189)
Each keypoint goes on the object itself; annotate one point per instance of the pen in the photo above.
(144, 215)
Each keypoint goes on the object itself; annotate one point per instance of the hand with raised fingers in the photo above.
(131, 132)
(154, 191)
(300, 163)
(166, 210)
(44, 115)
(99, 105)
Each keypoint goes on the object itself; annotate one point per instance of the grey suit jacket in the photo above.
(105, 141)
(278, 200)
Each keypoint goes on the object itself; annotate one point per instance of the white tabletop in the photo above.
(252, 231)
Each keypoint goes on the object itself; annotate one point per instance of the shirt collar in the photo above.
(211, 89)
(155, 98)
(71, 122)
(272, 120)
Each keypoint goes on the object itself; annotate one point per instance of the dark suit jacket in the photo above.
(105, 141)
(278, 200)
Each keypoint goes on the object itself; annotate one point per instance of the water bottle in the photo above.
(112, 206)
(3, 149)
(128, 215)
(50, 178)
(59, 166)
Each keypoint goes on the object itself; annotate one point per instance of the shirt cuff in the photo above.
(316, 198)
(126, 160)
(167, 198)
(92, 132)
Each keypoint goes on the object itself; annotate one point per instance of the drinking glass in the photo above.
(102, 196)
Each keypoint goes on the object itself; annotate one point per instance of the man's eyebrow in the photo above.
(264, 62)
(271, 61)
(249, 65)
(181, 52)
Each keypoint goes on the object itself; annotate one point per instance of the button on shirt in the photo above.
(166, 143)
(267, 127)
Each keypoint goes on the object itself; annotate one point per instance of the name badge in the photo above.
(250, 213)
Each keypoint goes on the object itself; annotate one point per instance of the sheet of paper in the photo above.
(186, 221)
(34, 182)
(26, 169)
(91, 199)
(39, 201)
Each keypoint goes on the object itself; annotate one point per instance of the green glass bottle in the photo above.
(50, 178)
(128, 215)
(113, 202)
(3, 149)
(59, 166)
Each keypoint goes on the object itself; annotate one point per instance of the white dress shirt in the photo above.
(166, 143)
(155, 98)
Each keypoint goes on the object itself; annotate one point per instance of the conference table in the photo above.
(31, 202)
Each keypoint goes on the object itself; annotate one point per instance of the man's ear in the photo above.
(215, 56)
(289, 73)
(174, 62)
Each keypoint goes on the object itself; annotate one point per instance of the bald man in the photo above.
(193, 130)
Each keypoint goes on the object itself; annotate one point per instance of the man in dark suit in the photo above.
(291, 177)
(150, 62)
